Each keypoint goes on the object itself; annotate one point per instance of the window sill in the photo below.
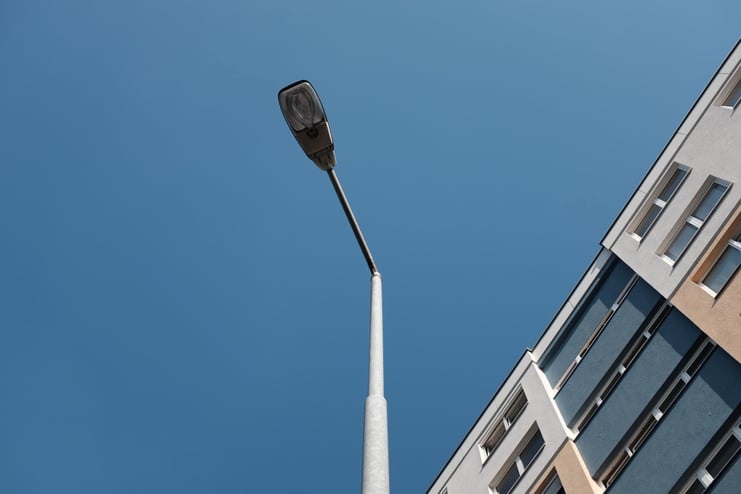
(708, 290)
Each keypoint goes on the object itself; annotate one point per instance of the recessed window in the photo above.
(524, 458)
(669, 187)
(725, 267)
(531, 449)
(513, 410)
(553, 487)
(734, 96)
(695, 220)
(496, 436)
(516, 408)
(509, 480)
(718, 461)
(723, 457)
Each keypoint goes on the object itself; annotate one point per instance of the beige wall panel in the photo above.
(571, 470)
(720, 316)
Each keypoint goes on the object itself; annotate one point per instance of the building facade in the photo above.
(635, 386)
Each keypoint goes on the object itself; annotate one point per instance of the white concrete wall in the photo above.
(568, 308)
(469, 472)
(709, 142)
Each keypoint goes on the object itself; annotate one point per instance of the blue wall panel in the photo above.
(604, 352)
(681, 435)
(637, 387)
(586, 320)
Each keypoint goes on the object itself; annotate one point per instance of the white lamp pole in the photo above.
(307, 120)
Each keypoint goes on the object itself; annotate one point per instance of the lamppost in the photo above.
(305, 116)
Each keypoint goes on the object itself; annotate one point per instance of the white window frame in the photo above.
(503, 423)
(730, 97)
(731, 88)
(733, 243)
(658, 202)
(518, 463)
(694, 221)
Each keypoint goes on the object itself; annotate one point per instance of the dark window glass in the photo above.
(508, 481)
(724, 269)
(651, 216)
(613, 381)
(554, 487)
(672, 185)
(735, 96)
(495, 438)
(724, 456)
(532, 448)
(681, 241)
(588, 416)
(616, 468)
(517, 406)
(672, 396)
(699, 359)
(695, 488)
(643, 433)
(637, 346)
(708, 203)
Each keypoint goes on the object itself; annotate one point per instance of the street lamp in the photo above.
(305, 116)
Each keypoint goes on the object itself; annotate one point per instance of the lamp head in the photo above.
(305, 116)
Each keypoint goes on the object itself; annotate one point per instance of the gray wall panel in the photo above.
(682, 434)
(603, 354)
(637, 387)
(586, 320)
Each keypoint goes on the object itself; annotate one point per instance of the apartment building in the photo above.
(635, 386)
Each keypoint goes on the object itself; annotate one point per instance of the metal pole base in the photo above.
(375, 447)
(375, 433)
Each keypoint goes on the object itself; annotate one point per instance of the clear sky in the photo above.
(183, 307)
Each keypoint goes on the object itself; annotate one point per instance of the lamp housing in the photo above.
(305, 116)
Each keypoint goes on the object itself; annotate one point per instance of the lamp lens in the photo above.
(301, 107)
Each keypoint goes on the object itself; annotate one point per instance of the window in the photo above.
(695, 220)
(553, 486)
(513, 410)
(638, 435)
(670, 186)
(725, 267)
(719, 459)
(509, 480)
(634, 349)
(523, 460)
(734, 96)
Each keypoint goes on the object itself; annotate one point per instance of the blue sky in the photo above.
(183, 307)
